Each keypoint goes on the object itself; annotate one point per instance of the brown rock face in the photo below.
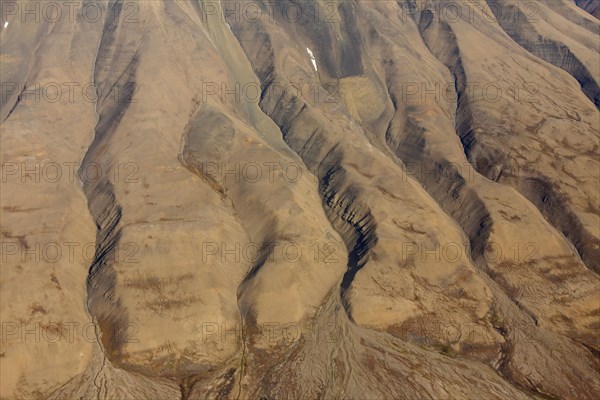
(242, 199)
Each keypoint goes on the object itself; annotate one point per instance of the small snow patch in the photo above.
(312, 58)
(5, 24)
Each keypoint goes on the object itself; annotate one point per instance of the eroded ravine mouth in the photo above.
(107, 213)
(100, 194)
(358, 231)
(186, 385)
(355, 262)
(348, 215)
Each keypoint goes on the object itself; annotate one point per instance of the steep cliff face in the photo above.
(300, 199)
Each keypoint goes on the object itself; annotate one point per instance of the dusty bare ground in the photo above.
(303, 199)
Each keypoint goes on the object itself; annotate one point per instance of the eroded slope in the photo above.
(360, 200)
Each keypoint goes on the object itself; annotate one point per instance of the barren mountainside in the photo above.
(300, 199)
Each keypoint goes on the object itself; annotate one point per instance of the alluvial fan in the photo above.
(300, 199)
